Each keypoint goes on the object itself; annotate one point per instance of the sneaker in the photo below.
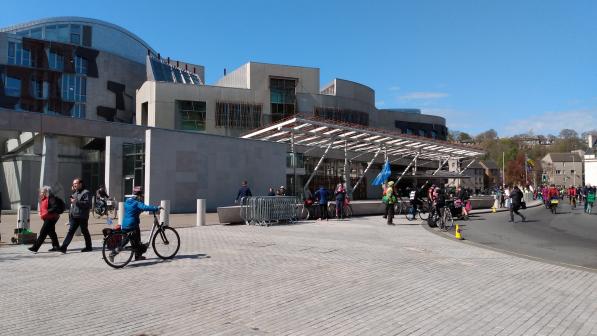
(140, 258)
(62, 250)
(87, 249)
(54, 249)
(32, 250)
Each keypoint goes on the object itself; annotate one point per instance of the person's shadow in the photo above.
(158, 260)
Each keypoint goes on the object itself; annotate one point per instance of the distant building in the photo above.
(493, 176)
(590, 162)
(562, 169)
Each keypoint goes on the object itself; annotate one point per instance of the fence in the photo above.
(266, 210)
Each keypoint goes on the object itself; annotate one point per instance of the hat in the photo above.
(138, 191)
(391, 183)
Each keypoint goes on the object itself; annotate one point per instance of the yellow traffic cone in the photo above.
(458, 235)
(493, 210)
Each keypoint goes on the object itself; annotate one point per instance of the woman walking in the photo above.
(340, 194)
(50, 209)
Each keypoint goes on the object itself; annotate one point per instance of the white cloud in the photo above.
(554, 122)
(423, 96)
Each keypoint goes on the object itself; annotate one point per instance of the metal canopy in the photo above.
(316, 132)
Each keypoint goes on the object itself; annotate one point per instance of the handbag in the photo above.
(523, 205)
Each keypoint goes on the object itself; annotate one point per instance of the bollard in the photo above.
(201, 212)
(120, 212)
(165, 214)
(23, 217)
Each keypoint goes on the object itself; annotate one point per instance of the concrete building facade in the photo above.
(563, 169)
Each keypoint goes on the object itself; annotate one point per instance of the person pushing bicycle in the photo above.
(133, 207)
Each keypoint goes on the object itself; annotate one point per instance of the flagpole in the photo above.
(526, 168)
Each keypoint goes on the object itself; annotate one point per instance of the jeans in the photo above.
(48, 228)
(340, 208)
(324, 211)
(136, 241)
(74, 224)
(390, 212)
(514, 210)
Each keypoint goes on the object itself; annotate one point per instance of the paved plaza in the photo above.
(356, 277)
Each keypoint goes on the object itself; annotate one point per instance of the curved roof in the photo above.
(75, 19)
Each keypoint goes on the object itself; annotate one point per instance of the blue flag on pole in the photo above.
(383, 175)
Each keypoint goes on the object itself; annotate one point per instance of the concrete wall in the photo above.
(116, 69)
(22, 180)
(590, 170)
(184, 166)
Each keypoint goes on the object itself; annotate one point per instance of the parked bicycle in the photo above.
(117, 251)
(422, 212)
(105, 207)
(346, 210)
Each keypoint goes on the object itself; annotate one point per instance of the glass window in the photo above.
(75, 34)
(238, 115)
(12, 53)
(63, 33)
(51, 33)
(80, 65)
(74, 88)
(55, 61)
(36, 33)
(191, 115)
(12, 87)
(78, 111)
(23, 33)
(39, 89)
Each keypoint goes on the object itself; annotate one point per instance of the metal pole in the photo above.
(318, 164)
(407, 168)
(347, 167)
(503, 170)
(468, 165)
(441, 165)
(365, 172)
(293, 160)
(526, 168)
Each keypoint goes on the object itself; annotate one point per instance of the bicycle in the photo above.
(346, 210)
(302, 211)
(446, 221)
(117, 251)
(400, 207)
(104, 208)
(422, 211)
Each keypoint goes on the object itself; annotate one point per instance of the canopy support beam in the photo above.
(306, 186)
(407, 168)
(468, 165)
(365, 171)
(441, 165)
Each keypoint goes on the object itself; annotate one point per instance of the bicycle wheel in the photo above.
(166, 242)
(302, 213)
(96, 212)
(448, 220)
(116, 251)
(347, 208)
(409, 214)
(332, 210)
(423, 212)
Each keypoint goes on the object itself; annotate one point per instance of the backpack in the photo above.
(60, 206)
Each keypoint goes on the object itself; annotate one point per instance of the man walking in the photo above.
(80, 203)
(243, 191)
(516, 199)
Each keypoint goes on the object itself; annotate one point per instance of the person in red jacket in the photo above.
(553, 193)
(49, 211)
(572, 195)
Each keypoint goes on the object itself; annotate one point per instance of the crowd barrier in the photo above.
(266, 210)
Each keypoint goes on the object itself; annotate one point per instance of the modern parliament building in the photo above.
(84, 97)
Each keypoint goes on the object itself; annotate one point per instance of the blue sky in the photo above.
(515, 66)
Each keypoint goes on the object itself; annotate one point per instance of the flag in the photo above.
(383, 175)
(531, 163)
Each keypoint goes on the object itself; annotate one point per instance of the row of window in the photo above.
(420, 132)
(66, 33)
(17, 55)
(561, 172)
(73, 88)
(163, 72)
(343, 115)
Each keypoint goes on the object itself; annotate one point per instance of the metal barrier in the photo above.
(266, 210)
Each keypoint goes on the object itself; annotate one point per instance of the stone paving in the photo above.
(356, 277)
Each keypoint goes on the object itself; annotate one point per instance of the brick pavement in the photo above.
(357, 277)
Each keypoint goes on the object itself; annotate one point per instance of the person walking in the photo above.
(340, 194)
(389, 199)
(590, 199)
(322, 199)
(243, 191)
(80, 203)
(271, 192)
(50, 208)
(516, 200)
(133, 207)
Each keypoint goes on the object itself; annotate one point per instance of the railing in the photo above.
(266, 210)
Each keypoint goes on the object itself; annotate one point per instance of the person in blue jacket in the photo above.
(133, 207)
(322, 199)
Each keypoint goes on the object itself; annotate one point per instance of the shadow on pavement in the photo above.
(156, 260)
